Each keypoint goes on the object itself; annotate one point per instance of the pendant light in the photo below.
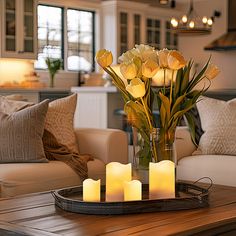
(191, 23)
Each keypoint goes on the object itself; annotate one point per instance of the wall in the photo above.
(192, 47)
(14, 70)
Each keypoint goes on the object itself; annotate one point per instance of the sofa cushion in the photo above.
(21, 134)
(59, 121)
(25, 178)
(221, 169)
(218, 119)
(8, 105)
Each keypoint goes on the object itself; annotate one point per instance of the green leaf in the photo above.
(191, 126)
(185, 81)
(179, 114)
(178, 82)
(166, 104)
(163, 115)
(177, 104)
(198, 78)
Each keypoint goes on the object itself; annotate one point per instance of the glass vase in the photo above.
(166, 144)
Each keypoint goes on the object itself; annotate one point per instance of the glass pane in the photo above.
(175, 40)
(167, 25)
(49, 34)
(149, 22)
(28, 5)
(137, 36)
(28, 45)
(157, 37)
(137, 20)
(168, 38)
(10, 24)
(10, 4)
(123, 35)
(29, 26)
(149, 36)
(157, 23)
(80, 38)
(10, 45)
(123, 18)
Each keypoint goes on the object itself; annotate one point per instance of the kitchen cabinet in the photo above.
(127, 23)
(18, 29)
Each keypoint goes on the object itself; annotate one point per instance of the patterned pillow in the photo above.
(60, 121)
(21, 134)
(218, 119)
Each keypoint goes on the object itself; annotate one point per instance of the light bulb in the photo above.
(174, 22)
(184, 18)
(204, 20)
(191, 24)
(209, 21)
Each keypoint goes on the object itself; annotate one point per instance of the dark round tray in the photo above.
(188, 196)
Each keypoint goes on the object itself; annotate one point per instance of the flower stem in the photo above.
(164, 81)
(171, 86)
(151, 129)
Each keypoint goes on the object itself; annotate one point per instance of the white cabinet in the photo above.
(96, 107)
(128, 23)
(18, 29)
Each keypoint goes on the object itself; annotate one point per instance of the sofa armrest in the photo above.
(183, 142)
(105, 144)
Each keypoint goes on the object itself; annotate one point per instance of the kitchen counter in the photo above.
(36, 95)
(30, 90)
(96, 89)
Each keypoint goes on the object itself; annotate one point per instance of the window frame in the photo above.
(64, 38)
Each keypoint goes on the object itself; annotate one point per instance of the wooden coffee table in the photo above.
(36, 214)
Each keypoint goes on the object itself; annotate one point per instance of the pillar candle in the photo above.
(91, 190)
(162, 180)
(132, 190)
(116, 175)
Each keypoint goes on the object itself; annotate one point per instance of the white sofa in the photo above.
(105, 145)
(220, 168)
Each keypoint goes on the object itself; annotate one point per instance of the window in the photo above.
(137, 29)
(123, 32)
(74, 45)
(153, 32)
(171, 37)
(50, 33)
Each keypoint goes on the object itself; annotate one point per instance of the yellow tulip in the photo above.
(175, 60)
(104, 58)
(212, 71)
(136, 88)
(163, 54)
(129, 71)
(149, 68)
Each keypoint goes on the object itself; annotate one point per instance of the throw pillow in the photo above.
(9, 106)
(60, 121)
(218, 119)
(21, 134)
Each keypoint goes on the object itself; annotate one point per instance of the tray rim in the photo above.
(66, 203)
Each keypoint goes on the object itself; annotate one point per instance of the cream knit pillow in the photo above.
(218, 119)
(60, 120)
